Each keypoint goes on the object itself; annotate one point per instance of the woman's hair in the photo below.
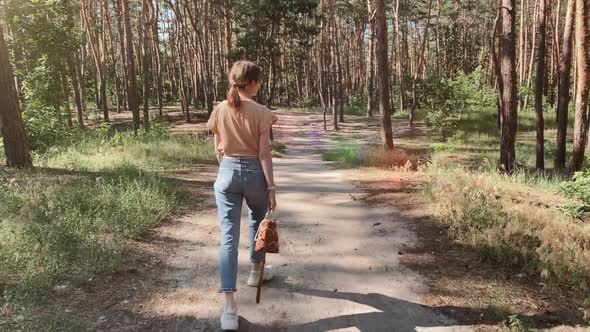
(242, 73)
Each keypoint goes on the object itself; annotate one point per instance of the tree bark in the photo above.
(383, 74)
(158, 58)
(539, 85)
(581, 120)
(97, 46)
(420, 64)
(16, 146)
(509, 102)
(399, 63)
(132, 97)
(371, 61)
(563, 90)
(146, 63)
(76, 88)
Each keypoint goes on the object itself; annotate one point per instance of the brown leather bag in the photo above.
(267, 241)
(267, 237)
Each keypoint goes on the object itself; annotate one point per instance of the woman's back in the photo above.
(240, 130)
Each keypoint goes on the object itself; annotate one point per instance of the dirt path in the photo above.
(338, 269)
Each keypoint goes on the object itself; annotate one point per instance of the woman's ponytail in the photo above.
(233, 97)
(241, 75)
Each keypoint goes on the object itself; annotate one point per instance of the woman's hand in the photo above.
(272, 200)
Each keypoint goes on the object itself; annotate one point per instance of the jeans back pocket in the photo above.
(225, 180)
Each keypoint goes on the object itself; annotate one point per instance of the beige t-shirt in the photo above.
(240, 133)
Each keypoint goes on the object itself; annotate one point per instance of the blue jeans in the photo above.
(238, 178)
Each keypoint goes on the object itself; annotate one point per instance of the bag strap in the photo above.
(270, 215)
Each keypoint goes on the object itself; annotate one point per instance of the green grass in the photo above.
(69, 226)
(346, 153)
(94, 150)
(515, 220)
(69, 218)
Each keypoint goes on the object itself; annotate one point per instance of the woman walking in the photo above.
(242, 142)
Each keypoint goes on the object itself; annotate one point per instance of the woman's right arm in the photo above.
(265, 157)
(217, 153)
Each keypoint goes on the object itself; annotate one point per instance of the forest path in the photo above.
(338, 268)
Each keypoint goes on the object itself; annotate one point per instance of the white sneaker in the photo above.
(255, 276)
(229, 319)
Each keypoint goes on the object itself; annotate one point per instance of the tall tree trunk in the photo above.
(495, 51)
(420, 64)
(371, 61)
(333, 64)
(581, 121)
(399, 61)
(96, 40)
(76, 88)
(539, 85)
(146, 63)
(509, 102)
(383, 74)
(322, 63)
(529, 72)
(16, 146)
(563, 90)
(521, 43)
(132, 97)
(158, 58)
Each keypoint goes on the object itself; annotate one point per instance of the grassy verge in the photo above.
(516, 220)
(103, 148)
(70, 218)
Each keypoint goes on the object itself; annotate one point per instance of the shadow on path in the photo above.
(392, 314)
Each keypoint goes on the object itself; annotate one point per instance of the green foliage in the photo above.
(442, 104)
(346, 153)
(579, 189)
(357, 105)
(280, 26)
(276, 21)
(72, 225)
(44, 37)
(447, 101)
(43, 128)
(517, 324)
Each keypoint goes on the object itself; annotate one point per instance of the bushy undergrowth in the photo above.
(579, 189)
(70, 226)
(515, 222)
(447, 103)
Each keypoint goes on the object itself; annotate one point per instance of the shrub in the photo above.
(451, 102)
(579, 189)
(356, 105)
